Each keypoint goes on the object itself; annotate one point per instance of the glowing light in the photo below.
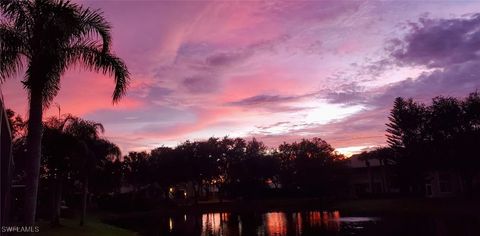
(314, 218)
(323, 113)
(276, 223)
(349, 151)
(297, 217)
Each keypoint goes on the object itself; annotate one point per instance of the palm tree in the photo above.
(88, 134)
(47, 36)
(58, 150)
(97, 150)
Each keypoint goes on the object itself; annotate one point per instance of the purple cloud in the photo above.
(439, 42)
(201, 84)
(262, 99)
(227, 58)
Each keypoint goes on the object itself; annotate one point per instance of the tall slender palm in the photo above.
(58, 150)
(46, 36)
(88, 133)
(100, 150)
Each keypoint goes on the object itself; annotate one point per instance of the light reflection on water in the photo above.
(214, 223)
(304, 223)
(273, 223)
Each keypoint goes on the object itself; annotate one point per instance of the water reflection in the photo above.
(214, 223)
(304, 223)
(271, 223)
(275, 223)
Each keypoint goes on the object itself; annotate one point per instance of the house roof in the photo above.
(355, 162)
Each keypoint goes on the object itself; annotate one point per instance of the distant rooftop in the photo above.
(355, 162)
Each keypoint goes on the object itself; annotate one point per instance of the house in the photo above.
(368, 177)
(187, 190)
(440, 184)
(6, 162)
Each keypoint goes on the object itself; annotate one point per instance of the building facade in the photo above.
(370, 177)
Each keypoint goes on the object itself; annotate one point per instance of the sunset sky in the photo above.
(274, 70)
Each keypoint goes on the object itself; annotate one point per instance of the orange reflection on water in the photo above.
(314, 218)
(297, 218)
(276, 223)
(336, 215)
(212, 223)
(334, 223)
(327, 220)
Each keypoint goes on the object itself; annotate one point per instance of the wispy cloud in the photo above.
(279, 70)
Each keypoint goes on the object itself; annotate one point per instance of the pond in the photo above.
(301, 223)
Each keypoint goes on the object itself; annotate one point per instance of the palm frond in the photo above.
(92, 22)
(16, 11)
(98, 126)
(83, 129)
(94, 58)
(53, 34)
(108, 149)
(11, 48)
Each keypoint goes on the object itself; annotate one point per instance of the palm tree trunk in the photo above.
(84, 201)
(34, 141)
(56, 209)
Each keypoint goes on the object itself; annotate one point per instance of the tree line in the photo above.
(239, 167)
(443, 135)
(73, 153)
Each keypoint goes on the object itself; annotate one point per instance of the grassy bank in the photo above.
(93, 226)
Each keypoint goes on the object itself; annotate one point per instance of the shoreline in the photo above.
(398, 208)
(381, 207)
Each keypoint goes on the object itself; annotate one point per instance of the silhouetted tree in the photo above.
(107, 170)
(441, 136)
(233, 152)
(454, 136)
(17, 124)
(87, 133)
(166, 168)
(59, 149)
(136, 164)
(48, 36)
(406, 136)
(311, 166)
(470, 139)
(249, 169)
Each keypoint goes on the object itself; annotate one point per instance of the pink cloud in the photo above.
(191, 61)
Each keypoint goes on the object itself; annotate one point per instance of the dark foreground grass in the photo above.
(71, 227)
